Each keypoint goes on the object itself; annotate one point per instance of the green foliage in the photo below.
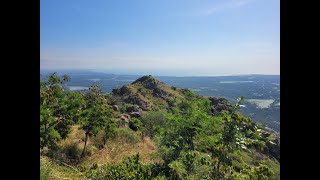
(72, 151)
(188, 93)
(152, 121)
(192, 165)
(126, 135)
(95, 114)
(48, 134)
(131, 168)
(58, 110)
(109, 130)
(256, 173)
(182, 128)
(135, 124)
(191, 142)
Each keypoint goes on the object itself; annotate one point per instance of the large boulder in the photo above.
(115, 108)
(135, 114)
(124, 120)
(219, 105)
(273, 148)
(133, 108)
(143, 104)
(158, 92)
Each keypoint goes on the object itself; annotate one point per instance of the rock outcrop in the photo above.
(219, 105)
(133, 108)
(135, 114)
(145, 93)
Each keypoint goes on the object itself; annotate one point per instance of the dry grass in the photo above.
(76, 136)
(114, 151)
(57, 171)
(149, 143)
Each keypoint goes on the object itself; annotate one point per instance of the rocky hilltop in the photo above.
(147, 93)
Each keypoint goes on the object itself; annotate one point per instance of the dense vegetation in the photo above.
(188, 136)
(261, 87)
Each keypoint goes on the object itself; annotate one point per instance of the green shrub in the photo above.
(188, 93)
(72, 151)
(131, 168)
(126, 135)
(153, 120)
(135, 124)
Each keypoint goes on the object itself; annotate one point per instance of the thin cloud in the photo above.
(120, 58)
(224, 6)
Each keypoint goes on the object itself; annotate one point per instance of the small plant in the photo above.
(44, 171)
(72, 151)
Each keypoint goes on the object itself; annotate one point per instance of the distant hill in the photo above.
(148, 93)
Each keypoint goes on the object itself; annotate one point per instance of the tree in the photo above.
(58, 110)
(151, 121)
(95, 114)
(230, 139)
(109, 130)
(181, 129)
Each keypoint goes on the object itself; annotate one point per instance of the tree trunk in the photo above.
(85, 145)
(104, 141)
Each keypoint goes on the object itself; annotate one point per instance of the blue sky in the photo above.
(161, 37)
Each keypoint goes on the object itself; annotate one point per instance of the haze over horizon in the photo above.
(180, 37)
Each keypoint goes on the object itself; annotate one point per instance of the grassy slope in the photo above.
(116, 151)
(50, 169)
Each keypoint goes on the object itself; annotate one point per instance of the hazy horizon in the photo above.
(146, 73)
(175, 38)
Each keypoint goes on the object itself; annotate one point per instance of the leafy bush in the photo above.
(135, 124)
(131, 168)
(152, 121)
(72, 151)
(126, 135)
(188, 93)
(261, 172)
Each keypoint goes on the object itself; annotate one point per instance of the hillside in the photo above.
(149, 93)
(149, 130)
